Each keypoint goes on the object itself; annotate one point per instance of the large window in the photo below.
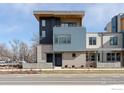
(113, 57)
(92, 56)
(43, 22)
(69, 24)
(113, 40)
(92, 40)
(62, 39)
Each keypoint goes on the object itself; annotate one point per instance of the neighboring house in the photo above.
(65, 43)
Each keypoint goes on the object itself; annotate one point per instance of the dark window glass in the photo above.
(92, 40)
(108, 56)
(73, 55)
(49, 58)
(87, 57)
(93, 57)
(98, 56)
(118, 56)
(113, 40)
(113, 56)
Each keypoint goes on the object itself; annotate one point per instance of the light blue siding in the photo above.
(78, 39)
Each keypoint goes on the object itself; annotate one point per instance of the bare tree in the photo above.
(15, 49)
(20, 50)
(35, 42)
(5, 53)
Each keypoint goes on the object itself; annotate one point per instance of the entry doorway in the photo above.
(58, 60)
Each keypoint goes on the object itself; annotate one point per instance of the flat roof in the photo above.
(72, 14)
(104, 32)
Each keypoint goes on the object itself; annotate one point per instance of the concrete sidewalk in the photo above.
(61, 71)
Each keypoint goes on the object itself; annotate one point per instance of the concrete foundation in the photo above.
(109, 65)
(37, 65)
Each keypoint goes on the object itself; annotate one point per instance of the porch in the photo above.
(105, 59)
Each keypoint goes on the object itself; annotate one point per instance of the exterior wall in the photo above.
(105, 43)
(105, 57)
(106, 40)
(122, 24)
(109, 65)
(50, 23)
(77, 20)
(78, 39)
(41, 52)
(103, 63)
(114, 24)
(79, 60)
(119, 23)
(98, 40)
(122, 59)
(37, 65)
(109, 27)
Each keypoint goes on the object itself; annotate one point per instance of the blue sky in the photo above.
(18, 22)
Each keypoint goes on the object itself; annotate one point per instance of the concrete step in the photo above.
(57, 68)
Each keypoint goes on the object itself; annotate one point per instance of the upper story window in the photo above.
(62, 39)
(43, 33)
(113, 40)
(92, 40)
(69, 24)
(43, 22)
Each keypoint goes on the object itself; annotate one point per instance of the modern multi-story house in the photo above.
(65, 43)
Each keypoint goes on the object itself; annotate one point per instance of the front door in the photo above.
(58, 59)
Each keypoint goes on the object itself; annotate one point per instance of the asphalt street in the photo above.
(60, 79)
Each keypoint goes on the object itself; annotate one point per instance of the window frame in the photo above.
(118, 58)
(113, 57)
(113, 41)
(62, 39)
(43, 22)
(92, 40)
(43, 33)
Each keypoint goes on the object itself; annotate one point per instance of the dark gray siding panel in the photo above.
(50, 23)
(114, 24)
(123, 39)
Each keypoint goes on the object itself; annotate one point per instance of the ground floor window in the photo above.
(118, 56)
(73, 55)
(92, 56)
(113, 57)
(98, 56)
(49, 58)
